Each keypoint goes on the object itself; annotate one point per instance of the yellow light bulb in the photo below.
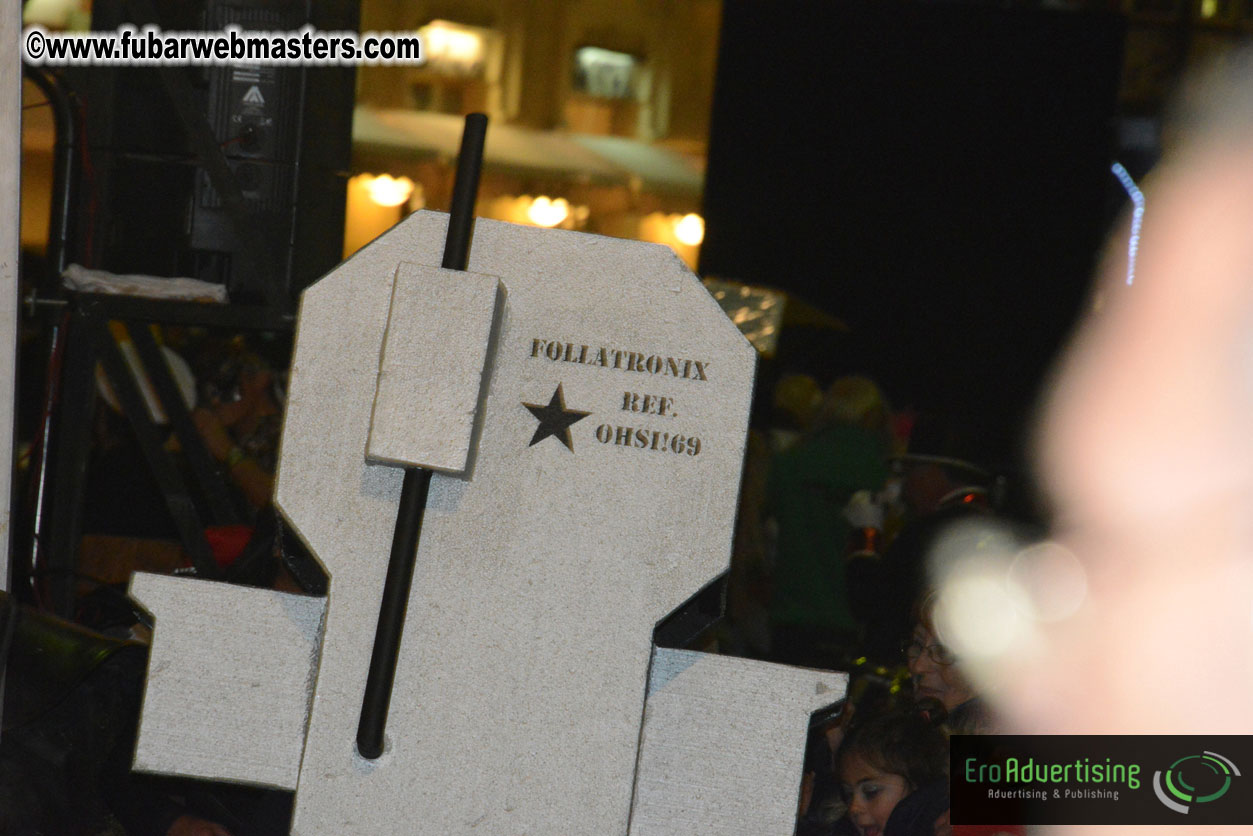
(546, 212)
(386, 190)
(690, 229)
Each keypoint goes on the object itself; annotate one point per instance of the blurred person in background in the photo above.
(936, 493)
(937, 676)
(240, 418)
(807, 490)
(1145, 449)
(746, 632)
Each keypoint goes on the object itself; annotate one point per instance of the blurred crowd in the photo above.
(837, 520)
(1145, 467)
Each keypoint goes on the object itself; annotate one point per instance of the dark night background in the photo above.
(936, 176)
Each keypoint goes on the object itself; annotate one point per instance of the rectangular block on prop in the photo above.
(723, 744)
(230, 675)
(431, 367)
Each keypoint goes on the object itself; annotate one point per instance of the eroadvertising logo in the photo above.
(1211, 773)
(1099, 779)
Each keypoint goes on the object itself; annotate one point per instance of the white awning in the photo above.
(595, 159)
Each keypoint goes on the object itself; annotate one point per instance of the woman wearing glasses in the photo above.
(937, 676)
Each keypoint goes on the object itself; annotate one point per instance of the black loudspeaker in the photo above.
(936, 175)
(282, 137)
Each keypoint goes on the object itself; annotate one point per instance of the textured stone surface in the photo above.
(724, 744)
(431, 370)
(520, 688)
(229, 676)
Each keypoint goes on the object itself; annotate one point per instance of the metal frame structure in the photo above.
(89, 342)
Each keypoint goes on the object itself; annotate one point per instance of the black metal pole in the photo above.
(465, 188)
(391, 623)
(64, 174)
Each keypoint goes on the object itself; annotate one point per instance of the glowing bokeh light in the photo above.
(547, 212)
(448, 42)
(970, 540)
(981, 613)
(1054, 579)
(386, 190)
(690, 229)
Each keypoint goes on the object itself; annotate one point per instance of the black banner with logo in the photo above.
(1101, 779)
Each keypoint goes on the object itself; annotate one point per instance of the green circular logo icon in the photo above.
(1194, 779)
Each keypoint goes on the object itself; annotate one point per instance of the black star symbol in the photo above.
(555, 419)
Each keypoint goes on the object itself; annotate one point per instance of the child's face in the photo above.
(872, 793)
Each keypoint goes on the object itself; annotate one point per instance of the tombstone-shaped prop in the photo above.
(584, 403)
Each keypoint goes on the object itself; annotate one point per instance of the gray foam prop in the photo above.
(722, 743)
(446, 367)
(599, 494)
(228, 686)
